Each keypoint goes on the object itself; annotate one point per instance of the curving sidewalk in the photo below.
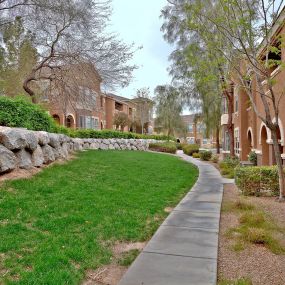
(184, 250)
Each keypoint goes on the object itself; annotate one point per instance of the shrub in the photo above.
(205, 155)
(168, 147)
(196, 155)
(256, 181)
(21, 113)
(228, 165)
(189, 149)
(111, 134)
(252, 157)
(179, 146)
(215, 158)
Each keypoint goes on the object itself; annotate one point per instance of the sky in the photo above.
(138, 22)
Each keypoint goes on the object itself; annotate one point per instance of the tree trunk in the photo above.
(218, 139)
(278, 159)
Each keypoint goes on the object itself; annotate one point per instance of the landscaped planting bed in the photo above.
(65, 220)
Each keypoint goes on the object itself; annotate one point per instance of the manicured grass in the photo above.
(64, 220)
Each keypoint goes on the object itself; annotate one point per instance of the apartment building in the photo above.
(75, 100)
(250, 132)
(196, 130)
(116, 104)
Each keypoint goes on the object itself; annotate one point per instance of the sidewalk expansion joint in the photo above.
(180, 255)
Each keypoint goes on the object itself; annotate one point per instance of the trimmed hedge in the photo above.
(21, 113)
(189, 149)
(110, 134)
(205, 155)
(257, 181)
(168, 147)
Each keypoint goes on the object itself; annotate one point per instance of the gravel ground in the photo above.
(255, 262)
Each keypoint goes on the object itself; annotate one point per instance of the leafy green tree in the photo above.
(169, 106)
(198, 65)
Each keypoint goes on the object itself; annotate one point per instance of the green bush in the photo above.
(228, 165)
(189, 149)
(179, 146)
(196, 155)
(21, 113)
(256, 181)
(169, 147)
(215, 158)
(111, 134)
(252, 157)
(205, 155)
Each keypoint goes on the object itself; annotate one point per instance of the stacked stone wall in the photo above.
(21, 148)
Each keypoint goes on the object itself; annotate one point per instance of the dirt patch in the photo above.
(168, 210)
(122, 247)
(107, 275)
(255, 262)
(113, 273)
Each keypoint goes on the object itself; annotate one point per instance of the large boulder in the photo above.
(8, 160)
(31, 140)
(64, 150)
(38, 157)
(43, 137)
(24, 159)
(48, 154)
(54, 140)
(13, 139)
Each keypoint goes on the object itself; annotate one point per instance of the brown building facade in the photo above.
(77, 101)
(250, 132)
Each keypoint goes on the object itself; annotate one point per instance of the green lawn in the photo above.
(64, 220)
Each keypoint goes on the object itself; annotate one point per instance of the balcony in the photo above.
(224, 119)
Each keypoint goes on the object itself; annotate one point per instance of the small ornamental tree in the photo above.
(121, 120)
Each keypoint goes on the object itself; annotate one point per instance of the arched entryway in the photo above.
(265, 146)
(56, 119)
(70, 122)
(249, 143)
(102, 126)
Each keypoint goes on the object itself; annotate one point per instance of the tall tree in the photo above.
(197, 63)
(144, 106)
(239, 26)
(71, 31)
(169, 106)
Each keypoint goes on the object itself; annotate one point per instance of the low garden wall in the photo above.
(21, 148)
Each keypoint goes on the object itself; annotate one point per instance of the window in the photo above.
(190, 128)
(226, 142)
(118, 106)
(130, 111)
(237, 145)
(82, 122)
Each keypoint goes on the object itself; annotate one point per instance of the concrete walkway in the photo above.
(184, 249)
